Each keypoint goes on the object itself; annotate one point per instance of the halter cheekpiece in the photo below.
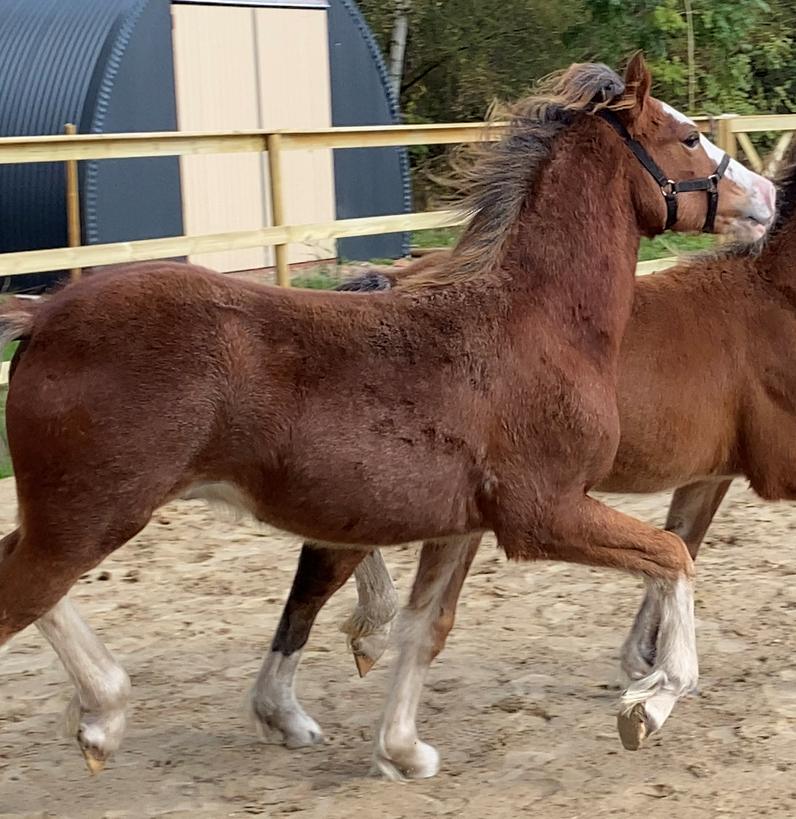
(670, 188)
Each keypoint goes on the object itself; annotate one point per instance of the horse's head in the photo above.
(682, 180)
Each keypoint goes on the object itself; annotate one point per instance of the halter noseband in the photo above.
(670, 188)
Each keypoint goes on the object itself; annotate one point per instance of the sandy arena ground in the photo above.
(520, 705)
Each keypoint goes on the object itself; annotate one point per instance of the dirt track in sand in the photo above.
(520, 704)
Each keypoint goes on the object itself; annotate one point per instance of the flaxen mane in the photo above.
(491, 179)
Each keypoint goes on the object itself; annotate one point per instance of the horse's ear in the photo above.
(638, 81)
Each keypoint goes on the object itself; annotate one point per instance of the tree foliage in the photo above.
(461, 54)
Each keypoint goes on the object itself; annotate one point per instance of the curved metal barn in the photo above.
(156, 65)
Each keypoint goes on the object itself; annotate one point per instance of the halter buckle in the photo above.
(669, 188)
(713, 183)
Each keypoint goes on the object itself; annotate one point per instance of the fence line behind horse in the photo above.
(730, 132)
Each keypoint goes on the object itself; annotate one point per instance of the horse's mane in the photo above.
(492, 178)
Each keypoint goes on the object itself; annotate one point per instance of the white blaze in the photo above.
(761, 190)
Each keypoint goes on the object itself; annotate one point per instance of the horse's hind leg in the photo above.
(423, 626)
(690, 514)
(97, 713)
(368, 626)
(591, 533)
(35, 575)
(692, 510)
(96, 716)
(320, 573)
(33, 583)
(56, 544)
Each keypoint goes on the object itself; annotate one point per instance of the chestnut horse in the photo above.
(481, 397)
(716, 332)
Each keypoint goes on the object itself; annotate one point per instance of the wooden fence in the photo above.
(729, 131)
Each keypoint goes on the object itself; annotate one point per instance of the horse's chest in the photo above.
(567, 422)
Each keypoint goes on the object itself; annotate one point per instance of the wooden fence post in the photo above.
(74, 238)
(725, 138)
(273, 144)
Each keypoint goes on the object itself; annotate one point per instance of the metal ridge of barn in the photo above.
(385, 164)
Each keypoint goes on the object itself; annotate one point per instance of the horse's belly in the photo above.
(645, 469)
(384, 498)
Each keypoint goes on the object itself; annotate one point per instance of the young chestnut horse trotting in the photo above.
(481, 398)
(715, 334)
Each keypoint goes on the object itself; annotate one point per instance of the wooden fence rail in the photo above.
(728, 130)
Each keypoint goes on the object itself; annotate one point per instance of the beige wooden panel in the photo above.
(295, 93)
(216, 80)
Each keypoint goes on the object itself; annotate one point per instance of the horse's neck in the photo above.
(573, 252)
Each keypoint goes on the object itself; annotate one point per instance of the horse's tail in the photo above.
(16, 323)
(16, 318)
(372, 281)
(386, 278)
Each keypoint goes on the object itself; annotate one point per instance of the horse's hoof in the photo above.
(98, 735)
(364, 664)
(368, 648)
(419, 762)
(632, 727)
(290, 727)
(94, 762)
(304, 736)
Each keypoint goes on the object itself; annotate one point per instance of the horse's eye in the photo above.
(692, 140)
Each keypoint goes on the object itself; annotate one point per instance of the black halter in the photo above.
(670, 188)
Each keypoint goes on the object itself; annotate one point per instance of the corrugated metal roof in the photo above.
(102, 65)
(49, 51)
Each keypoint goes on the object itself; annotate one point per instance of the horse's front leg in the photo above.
(321, 572)
(690, 514)
(423, 626)
(591, 533)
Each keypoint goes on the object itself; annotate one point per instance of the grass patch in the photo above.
(316, 281)
(673, 244)
(669, 244)
(436, 237)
